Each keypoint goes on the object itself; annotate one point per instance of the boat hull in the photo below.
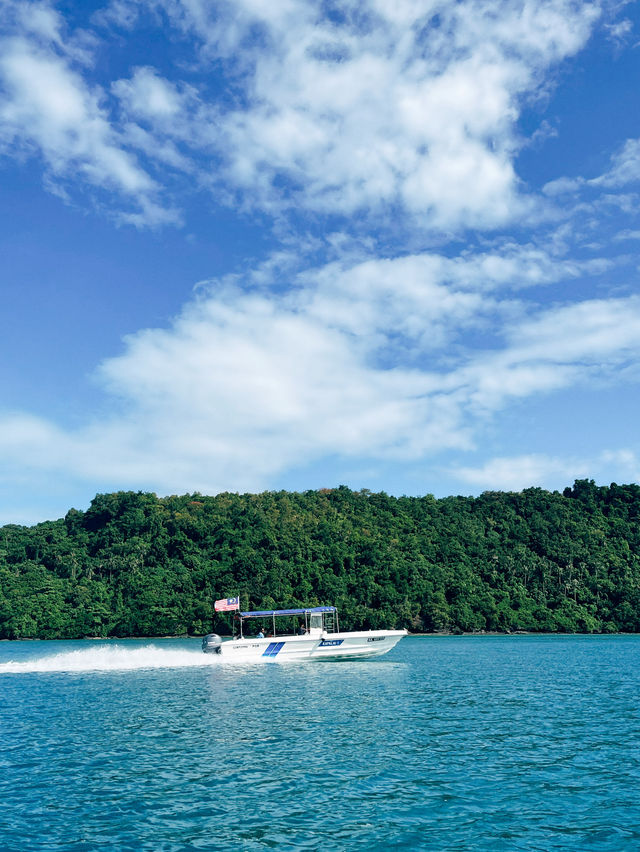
(328, 646)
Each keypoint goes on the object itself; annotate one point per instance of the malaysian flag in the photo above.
(227, 604)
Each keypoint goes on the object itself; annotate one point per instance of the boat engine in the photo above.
(211, 643)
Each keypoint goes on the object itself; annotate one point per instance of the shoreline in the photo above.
(434, 635)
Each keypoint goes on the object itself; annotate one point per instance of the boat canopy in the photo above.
(269, 613)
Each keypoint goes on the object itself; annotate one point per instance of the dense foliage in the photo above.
(137, 565)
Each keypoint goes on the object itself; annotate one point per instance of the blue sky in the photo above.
(250, 246)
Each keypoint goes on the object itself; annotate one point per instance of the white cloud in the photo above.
(391, 116)
(46, 107)
(625, 167)
(584, 332)
(563, 186)
(620, 31)
(235, 392)
(380, 107)
(149, 96)
(513, 473)
(627, 234)
(367, 360)
(47, 104)
(396, 112)
(623, 464)
(564, 346)
(41, 20)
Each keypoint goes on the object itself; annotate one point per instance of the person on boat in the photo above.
(260, 634)
(302, 630)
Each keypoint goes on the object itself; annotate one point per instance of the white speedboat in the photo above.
(317, 637)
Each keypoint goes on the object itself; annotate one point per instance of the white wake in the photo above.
(111, 658)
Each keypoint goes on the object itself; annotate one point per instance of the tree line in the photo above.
(135, 564)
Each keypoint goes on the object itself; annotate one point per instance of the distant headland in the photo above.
(135, 564)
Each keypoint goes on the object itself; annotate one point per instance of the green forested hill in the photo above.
(134, 564)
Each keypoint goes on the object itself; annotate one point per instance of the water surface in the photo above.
(447, 743)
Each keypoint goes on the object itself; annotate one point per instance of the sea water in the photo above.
(446, 743)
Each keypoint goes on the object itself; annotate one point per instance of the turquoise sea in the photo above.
(447, 743)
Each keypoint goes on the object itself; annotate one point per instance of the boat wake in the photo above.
(111, 658)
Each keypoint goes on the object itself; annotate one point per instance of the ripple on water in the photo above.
(449, 743)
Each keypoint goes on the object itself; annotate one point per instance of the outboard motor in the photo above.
(211, 643)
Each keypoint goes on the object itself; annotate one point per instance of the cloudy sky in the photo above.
(265, 244)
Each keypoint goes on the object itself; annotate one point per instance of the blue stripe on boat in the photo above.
(272, 649)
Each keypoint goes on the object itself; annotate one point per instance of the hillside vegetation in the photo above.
(134, 564)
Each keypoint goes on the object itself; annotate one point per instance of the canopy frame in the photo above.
(269, 613)
(273, 613)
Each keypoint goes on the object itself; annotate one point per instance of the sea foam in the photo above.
(111, 658)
